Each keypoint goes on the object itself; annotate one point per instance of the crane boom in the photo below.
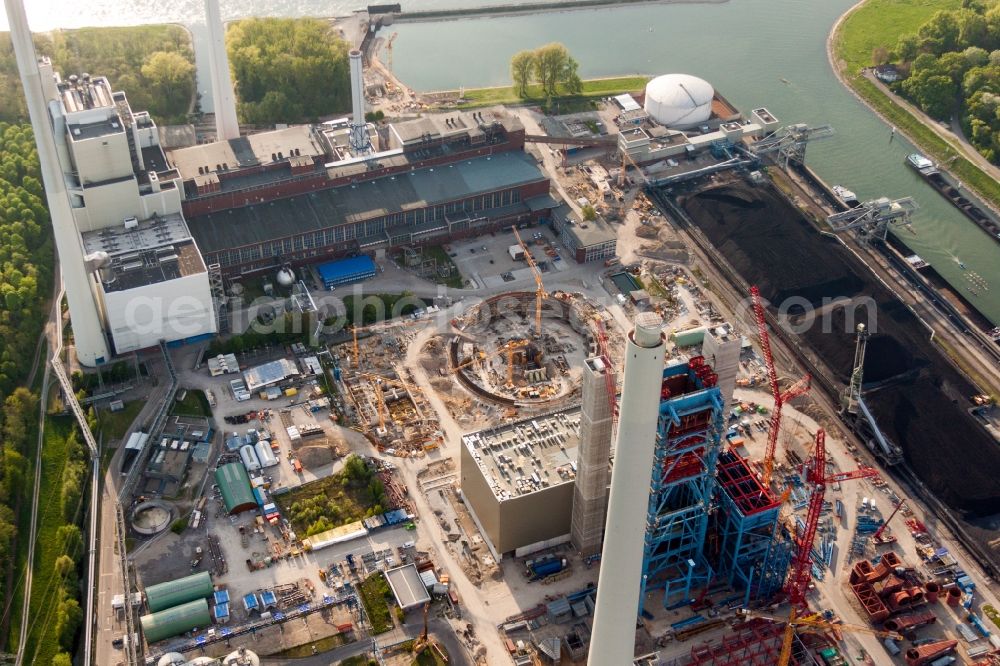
(878, 536)
(798, 388)
(539, 287)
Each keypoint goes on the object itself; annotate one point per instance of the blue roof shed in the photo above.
(222, 596)
(345, 271)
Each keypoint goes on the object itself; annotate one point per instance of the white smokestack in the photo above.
(91, 345)
(226, 125)
(613, 639)
(359, 130)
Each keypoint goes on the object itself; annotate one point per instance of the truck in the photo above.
(831, 657)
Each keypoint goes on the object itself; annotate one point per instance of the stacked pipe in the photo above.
(910, 621)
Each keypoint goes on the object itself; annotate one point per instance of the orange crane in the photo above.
(540, 294)
(814, 472)
(388, 50)
(797, 389)
(880, 538)
(507, 347)
(627, 159)
(811, 623)
(609, 380)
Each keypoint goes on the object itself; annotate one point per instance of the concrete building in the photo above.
(518, 481)
(721, 349)
(592, 240)
(590, 492)
(619, 584)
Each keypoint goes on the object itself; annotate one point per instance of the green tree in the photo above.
(555, 68)
(522, 66)
(170, 77)
(935, 93)
(589, 214)
(69, 616)
(62, 659)
(288, 70)
(941, 32)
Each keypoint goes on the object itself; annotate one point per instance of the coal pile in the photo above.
(920, 401)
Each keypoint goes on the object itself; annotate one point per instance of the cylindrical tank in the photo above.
(954, 597)
(919, 656)
(916, 595)
(171, 659)
(249, 457)
(613, 637)
(932, 589)
(679, 100)
(286, 276)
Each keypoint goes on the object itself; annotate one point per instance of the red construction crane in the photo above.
(796, 389)
(879, 537)
(609, 377)
(815, 474)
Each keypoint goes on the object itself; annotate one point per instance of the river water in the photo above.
(756, 52)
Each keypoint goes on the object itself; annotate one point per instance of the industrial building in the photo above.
(407, 586)
(175, 620)
(591, 240)
(517, 481)
(345, 271)
(234, 484)
(175, 592)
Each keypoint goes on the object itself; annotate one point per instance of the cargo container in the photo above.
(297, 465)
(291, 391)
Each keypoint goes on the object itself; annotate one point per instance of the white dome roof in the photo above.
(679, 100)
(286, 276)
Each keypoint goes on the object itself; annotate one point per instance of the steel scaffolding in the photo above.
(753, 553)
(683, 482)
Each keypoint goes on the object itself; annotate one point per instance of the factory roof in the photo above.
(367, 200)
(176, 620)
(151, 233)
(152, 266)
(453, 123)
(92, 130)
(593, 232)
(529, 455)
(342, 271)
(266, 374)
(246, 151)
(407, 586)
(174, 592)
(234, 484)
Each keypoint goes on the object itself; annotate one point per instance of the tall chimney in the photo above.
(224, 100)
(360, 142)
(613, 639)
(91, 345)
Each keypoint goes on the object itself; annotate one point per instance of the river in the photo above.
(756, 52)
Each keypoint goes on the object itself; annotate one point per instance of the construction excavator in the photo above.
(814, 623)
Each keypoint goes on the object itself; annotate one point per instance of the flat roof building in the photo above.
(407, 586)
(346, 271)
(588, 240)
(234, 484)
(266, 374)
(517, 480)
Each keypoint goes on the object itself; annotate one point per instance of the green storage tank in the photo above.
(175, 592)
(690, 337)
(175, 621)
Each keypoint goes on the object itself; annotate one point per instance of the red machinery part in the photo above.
(932, 590)
(919, 656)
(910, 621)
(954, 596)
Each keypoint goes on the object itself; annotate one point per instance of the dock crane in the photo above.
(540, 294)
(814, 472)
(797, 389)
(811, 623)
(880, 538)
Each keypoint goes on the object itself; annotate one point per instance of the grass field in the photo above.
(332, 499)
(114, 425)
(880, 23)
(194, 404)
(455, 280)
(321, 645)
(375, 594)
(42, 643)
(592, 89)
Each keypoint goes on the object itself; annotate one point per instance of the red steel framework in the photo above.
(797, 389)
(815, 473)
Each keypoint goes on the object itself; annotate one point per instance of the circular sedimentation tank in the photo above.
(152, 517)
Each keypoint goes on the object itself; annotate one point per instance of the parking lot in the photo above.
(486, 260)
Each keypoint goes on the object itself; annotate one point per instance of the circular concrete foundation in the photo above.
(152, 517)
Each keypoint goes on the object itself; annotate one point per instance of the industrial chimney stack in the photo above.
(360, 142)
(618, 587)
(226, 125)
(91, 345)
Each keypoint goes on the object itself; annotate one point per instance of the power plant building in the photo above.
(518, 480)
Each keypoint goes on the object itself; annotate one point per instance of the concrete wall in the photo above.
(479, 498)
(101, 158)
(539, 516)
(107, 205)
(173, 310)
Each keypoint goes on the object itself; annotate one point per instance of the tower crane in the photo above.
(388, 50)
(797, 389)
(609, 379)
(540, 294)
(880, 538)
(508, 347)
(811, 623)
(627, 159)
(815, 474)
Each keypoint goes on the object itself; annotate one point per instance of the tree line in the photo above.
(288, 70)
(951, 66)
(153, 64)
(551, 67)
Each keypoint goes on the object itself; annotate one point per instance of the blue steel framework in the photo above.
(688, 443)
(753, 555)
